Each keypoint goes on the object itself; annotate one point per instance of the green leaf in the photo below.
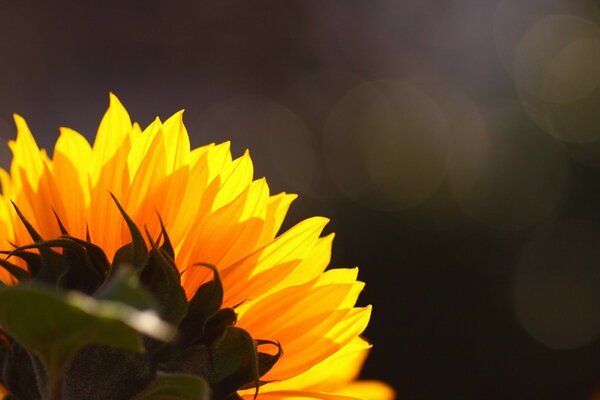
(55, 326)
(124, 287)
(176, 387)
(204, 304)
(136, 253)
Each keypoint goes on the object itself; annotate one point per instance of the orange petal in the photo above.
(72, 152)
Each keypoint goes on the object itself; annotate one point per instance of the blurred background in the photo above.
(454, 143)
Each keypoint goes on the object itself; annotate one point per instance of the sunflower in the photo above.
(215, 213)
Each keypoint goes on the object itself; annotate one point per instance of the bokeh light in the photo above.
(556, 288)
(505, 173)
(393, 136)
(558, 59)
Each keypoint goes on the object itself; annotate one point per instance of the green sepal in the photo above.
(234, 363)
(96, 254)
(55, 326)
(17, 272)
(221, 320)
(62, 228)
(205, 303)
(35, 236)
(162, 278)
(52, 269)
(81, 273)
(33, 260)
(134, 253)
(166, 245)
(266, 361)
(176, 387)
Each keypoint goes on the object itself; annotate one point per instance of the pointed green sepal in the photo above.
(33, 260)
(96, 254)
(62, 228)
(216, 324)
(74, 264)
(134, 253)
(234, 363)
(266, 361)
(35, 236)
(18, 273)
(205, 303)
(161, 277)
(166, 245)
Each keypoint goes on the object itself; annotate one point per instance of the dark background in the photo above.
(454, 144)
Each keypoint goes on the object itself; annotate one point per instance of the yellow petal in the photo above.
(260, 271)
(299, 395)
(112, 132)
(368, 390)
(140, 144)
(276, 211)
(150, 173)
(177, 142)
(228, 234)
(26, 154)
(331, 374)
(235, 178)
(219, 158)
(308, 322)
(311, 266)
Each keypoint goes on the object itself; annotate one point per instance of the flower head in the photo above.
(215, 213)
